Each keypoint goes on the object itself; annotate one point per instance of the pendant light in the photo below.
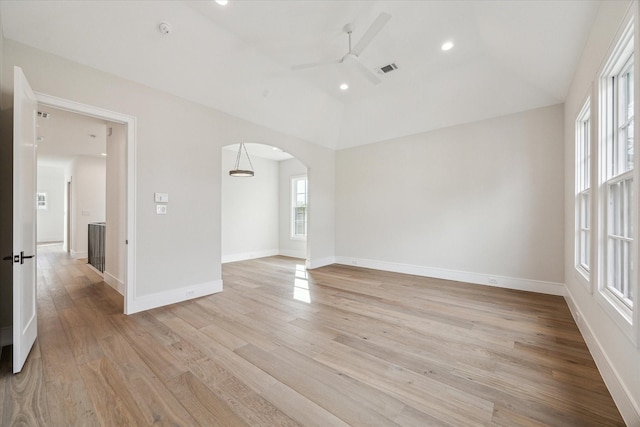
(241, 172)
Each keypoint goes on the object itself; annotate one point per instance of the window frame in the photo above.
(293, 203)
(620, 57)
(583, 197)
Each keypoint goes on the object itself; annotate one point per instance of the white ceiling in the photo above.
(260, 150)
(65, 135)
(509, 56)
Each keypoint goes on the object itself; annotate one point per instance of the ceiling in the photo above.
(64, 135)
(260, 150)
(509, 56)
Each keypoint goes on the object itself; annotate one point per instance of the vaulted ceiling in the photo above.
(508, 56)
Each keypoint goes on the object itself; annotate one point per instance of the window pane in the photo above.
(299, 204)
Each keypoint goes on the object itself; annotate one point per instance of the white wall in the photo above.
(249, 210)
(289, 247)
(178, 152)
(116, 203)
(88, 200)
(51, 220)
(616, 356)
(480, 202)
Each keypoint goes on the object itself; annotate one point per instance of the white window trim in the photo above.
(584, 272)
(292, 182)
(626, 319)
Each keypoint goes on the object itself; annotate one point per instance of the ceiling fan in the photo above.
(353, 55)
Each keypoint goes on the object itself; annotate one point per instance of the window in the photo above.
(583, 190)
(617, 164)
(299, 198)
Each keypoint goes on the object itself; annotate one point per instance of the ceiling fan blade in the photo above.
(314, 64)
(373, 30)
(370, 75)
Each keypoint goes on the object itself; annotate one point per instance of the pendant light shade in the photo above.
(242, 172)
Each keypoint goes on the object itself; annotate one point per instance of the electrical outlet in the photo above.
(354, 262)
(493, 281)
(161, 209)
(190, 294)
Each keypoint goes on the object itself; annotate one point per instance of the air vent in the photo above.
(387, 68)
(44, 115)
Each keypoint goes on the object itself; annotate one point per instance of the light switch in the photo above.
(161, 209)
(161, 197)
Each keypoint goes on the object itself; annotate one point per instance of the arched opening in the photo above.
(265, 214)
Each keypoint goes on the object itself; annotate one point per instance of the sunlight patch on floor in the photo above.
(301, 285)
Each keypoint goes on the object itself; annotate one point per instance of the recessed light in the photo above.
(222, 2)
(344, 86)
(447, 46)
(103, 154)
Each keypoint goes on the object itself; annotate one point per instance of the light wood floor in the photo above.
(366, 348)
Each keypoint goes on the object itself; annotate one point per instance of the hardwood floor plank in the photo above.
(151, 395)
(110, 396)
(153, 351)
(80, 337)
(27, 393)
(202, 403)
(337, 401)
(363, 347)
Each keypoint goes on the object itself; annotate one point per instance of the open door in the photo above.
(25, 321)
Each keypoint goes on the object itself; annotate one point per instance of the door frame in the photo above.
(130, 226)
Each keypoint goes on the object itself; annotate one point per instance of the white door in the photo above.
(25, 321)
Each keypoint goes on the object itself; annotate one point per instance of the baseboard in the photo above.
(6, 336)
(173, 296)
(293, 254)
(249, 255)
(539, 286)
(629, 409)
(48, 242)
(79, 255)
(320, 262)
(114, 282)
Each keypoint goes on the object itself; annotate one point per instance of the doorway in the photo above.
(125, 238)
(266, 214)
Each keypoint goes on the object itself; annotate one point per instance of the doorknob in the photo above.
(23, 257)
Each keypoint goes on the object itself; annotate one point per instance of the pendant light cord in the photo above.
(240, 153)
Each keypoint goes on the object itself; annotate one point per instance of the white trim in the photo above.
(628, 407)
(321, 262)
(293, 253)
(78, 255)
(6, 336)
(249, 255)
(623, 45)
(539, 286)
(131, 124)
(173, 296)
(113, 281)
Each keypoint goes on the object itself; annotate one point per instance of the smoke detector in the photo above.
(165, 28)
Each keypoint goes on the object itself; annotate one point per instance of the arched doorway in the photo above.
(263, 215)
